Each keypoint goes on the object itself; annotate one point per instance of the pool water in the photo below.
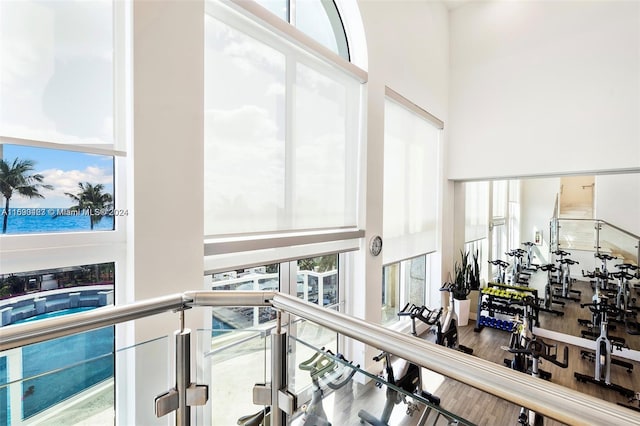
(55, 370)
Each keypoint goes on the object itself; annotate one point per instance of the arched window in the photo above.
(319, 19)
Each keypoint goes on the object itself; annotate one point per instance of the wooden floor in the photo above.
(483, 409)
(479, 407)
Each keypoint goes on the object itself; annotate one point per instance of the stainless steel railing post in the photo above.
(278, 372)
(183, 375)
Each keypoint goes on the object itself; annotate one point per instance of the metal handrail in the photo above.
(548, 399)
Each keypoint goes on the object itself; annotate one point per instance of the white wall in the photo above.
(407, 44)
(544, 87)
(618, 201)
(537, 200)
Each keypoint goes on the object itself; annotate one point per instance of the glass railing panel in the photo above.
(618, 243)
(576, 234)
(344, 394)
(313, 336)
(145, 371)
(231, 363)
(52, 378)
(70, 381)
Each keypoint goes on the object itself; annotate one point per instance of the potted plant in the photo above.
(474, 272)
(463, 272)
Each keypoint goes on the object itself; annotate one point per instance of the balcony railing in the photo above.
(594, 235)
(281, 392)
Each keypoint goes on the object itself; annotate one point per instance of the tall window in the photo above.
(282, 132)
(411, 178)
(404, 282)
(61, 147)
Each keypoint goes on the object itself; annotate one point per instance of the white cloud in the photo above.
(64, 181)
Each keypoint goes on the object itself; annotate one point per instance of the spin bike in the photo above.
(447, 331)
(499, 276)
(564, 276)
(521, 336)
(545, 305)
(432, 317)
(624, 302)
(409, 380)
(604, 348)
(528, 265)
(535, 349)
(604, 275)
(518, 276)
(635, 397)
(323, 367)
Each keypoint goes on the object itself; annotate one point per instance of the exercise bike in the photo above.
(624, 302)
(324, 367)
(635, 397)
(605, 276)
(536, 349)
(521, 335)
(447, 330)
(499, 276)
(604, 348)
(408, 380)
(518, 276)
(545, 305)
(565, 279)
(529, 265)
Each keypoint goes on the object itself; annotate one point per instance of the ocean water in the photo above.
(45, 220)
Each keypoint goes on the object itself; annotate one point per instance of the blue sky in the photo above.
(62, 169)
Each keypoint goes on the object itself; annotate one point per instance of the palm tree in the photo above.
(15, 177)
(93, 200)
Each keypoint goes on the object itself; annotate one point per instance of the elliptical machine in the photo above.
(604, 347)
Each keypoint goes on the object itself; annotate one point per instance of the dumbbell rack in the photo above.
(501, 299)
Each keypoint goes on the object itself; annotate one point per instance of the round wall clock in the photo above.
(375, 245)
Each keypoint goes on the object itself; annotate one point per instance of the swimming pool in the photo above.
(55, 370)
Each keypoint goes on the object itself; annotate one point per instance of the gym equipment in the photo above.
(624, 301)
(636, 397)
(564, 277)
(604, 347)
(499, 276)
(432, 317)
(545, 305)
(409, 380)
(522, 334)
(504, 300)
(535, 349)
(528, 264)
(447, 331)
(518, 276)
(261, 418)
(559, 272)
(604, 276)
(323, 367)
(412, 311)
